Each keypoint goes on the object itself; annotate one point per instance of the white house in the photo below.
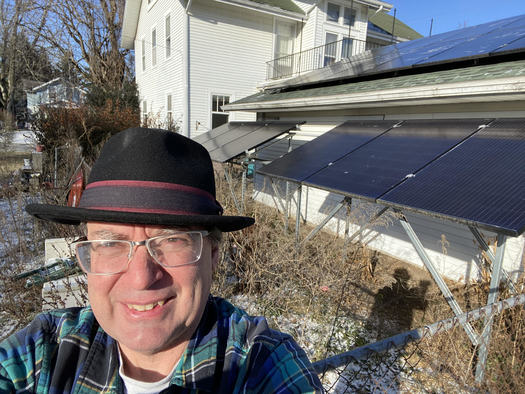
(193, 57)
(57, 92)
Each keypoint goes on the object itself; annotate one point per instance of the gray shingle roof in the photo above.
(476, 73)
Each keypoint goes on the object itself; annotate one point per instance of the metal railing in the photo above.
(312, 59)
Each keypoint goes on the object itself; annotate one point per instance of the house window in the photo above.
(218, 115)
(143, 53)
(339, 14)
(332, 12)
(167, 28)
(144, 113)
(349, 17)
(169, 111)
(284, 40)
(154, 47)
(330, 49)
(346, 50)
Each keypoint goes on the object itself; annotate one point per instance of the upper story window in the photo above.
(154, 47)
(340, 14)
(167, 30)
(332, 12)
(143, 54)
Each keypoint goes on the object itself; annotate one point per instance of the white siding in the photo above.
(229, 48)
(450, 246)
(155, 83)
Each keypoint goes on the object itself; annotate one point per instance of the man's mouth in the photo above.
(147, 307)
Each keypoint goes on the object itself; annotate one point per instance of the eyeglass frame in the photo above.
(132, 244)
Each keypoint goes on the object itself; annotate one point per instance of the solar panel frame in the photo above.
(214, 133)
(379, 165)
(427, 51)
(487, 185)
(312, 156)
(251, 140)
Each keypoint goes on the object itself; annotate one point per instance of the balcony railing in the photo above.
(312, 59)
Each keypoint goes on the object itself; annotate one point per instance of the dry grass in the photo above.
(350, 295)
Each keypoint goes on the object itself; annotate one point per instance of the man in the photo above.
(153, 226)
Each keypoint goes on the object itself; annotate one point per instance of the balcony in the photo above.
(312, 59)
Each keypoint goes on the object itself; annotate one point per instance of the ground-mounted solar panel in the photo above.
(231, 135)
(260, 134)
(480, 182)
(382, 163)
(214, 133)
(325, 149)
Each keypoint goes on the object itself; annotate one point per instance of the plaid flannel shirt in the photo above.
(67, 351)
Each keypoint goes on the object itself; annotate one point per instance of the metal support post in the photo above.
(276, 192)
(491, 299)
(298, 215)
(230, 183)
(437, 277)
(492, 257)
(368, 224)
(325, 220)
(243, 190)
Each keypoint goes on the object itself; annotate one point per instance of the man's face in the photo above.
(149, 308)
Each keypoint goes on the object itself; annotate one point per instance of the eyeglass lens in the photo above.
(112, 256)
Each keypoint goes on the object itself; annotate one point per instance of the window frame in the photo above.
(167, 35)
(144, 112)
(154, 46)
(169, 109)
(143, 52)
(219, 111)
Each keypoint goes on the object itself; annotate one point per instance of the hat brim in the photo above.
(75, 216)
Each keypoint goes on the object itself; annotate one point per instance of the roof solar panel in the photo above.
(482, 40)
(382, 163)
(260, 134)
(325, 149)
(481, 181)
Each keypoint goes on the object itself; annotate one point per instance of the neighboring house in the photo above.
(192, 57)
(476, 73)
(55, 93)
(385, 29)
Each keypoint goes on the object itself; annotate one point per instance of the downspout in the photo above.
(186, 73)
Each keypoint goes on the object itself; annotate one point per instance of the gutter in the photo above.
(296, 16)
(507, 89)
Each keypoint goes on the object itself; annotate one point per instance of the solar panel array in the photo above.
(489, 39)
(232, 139)
(481, 182)
(460, 169)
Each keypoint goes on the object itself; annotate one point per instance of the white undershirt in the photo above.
(133, 386)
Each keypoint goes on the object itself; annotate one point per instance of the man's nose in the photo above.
(142, 270)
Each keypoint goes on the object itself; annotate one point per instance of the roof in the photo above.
(287, 5)
(455, 84)
(386, 22)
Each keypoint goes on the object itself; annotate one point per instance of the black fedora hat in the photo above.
(148, 176)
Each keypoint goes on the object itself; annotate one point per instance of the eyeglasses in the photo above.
(106, 257)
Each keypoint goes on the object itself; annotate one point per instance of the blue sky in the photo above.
(453, 14)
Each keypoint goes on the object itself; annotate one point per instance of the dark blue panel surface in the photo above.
(480, 182)
(250, 140)
(325, 149)
(487, 39)
(210, 135)
(376, 167)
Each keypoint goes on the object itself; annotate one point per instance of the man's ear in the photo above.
(214, 255)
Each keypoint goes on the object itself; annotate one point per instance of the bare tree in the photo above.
(88, 33)
(21, 44)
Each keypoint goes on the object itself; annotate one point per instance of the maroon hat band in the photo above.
(149, 197)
